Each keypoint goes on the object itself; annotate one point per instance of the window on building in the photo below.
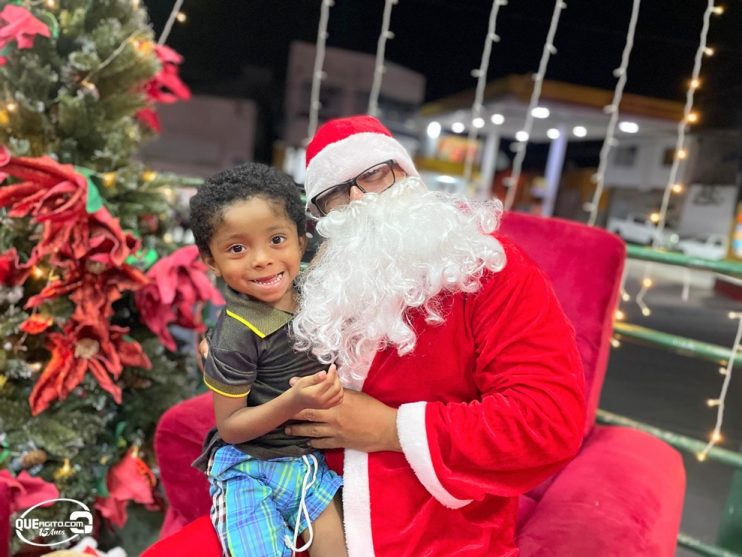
(625, 156)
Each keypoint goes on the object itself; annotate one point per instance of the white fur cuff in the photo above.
(414, 440)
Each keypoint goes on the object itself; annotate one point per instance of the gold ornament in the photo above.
(65, 471)
(37, 272)
(3, 380)
(32, 458)
(149, 175)
(4, 118)
(109, 179)
(144, 47)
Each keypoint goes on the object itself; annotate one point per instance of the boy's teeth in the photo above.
(272, 280)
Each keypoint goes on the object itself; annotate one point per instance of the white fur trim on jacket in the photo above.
(413, 437)
(357, 505)
(347, 158)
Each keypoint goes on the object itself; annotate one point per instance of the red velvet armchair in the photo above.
(621, 495)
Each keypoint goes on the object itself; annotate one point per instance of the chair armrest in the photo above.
(621, 495)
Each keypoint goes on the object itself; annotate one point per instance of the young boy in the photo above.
(249, 225)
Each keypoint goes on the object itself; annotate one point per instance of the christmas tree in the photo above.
(90, 278)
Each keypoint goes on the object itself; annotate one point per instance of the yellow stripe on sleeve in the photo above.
(219, 391)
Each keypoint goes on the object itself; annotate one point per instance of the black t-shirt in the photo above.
(251, 353)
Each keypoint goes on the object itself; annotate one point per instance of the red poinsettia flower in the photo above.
(97, 348)
(27, 490)
(64, 242)
(48, 190)
(12, 271)
(166, 86)
(179, 285)
(93, 287)
(97, 292)
(19, 25)
(108, 243)
(149, 118)
(128, 480)
(44, 170)
(37, 323)
(4, 159)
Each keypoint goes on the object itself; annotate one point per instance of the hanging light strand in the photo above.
(680, 148)
(549, 49)
(613, 110)
(680, 151)
(170, 21)
(319, 62)
(481, 75)
(379, 69)
(721, 401)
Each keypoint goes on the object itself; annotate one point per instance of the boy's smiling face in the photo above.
(257, 251)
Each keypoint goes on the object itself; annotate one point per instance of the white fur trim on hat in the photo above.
(345, 159)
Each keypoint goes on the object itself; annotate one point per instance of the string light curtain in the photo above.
(523, 135)
(174, 13)
(386, 34)
(613, 109)
(681, 152)
(720, 402)
(319, 62)
(481, 75)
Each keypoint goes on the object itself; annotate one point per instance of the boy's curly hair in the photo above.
(241, 183)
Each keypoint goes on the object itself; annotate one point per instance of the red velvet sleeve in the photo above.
(530, 418)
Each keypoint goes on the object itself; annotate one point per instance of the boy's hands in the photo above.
(321, 390)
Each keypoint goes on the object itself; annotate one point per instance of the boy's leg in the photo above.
(243, 514)
(329, 538)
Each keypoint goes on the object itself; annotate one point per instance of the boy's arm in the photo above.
(238, 423)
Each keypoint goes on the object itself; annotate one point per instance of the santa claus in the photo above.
(467, 387)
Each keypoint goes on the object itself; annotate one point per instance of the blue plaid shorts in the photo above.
(255, 503)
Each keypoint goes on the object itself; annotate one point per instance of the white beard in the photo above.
(384, 254)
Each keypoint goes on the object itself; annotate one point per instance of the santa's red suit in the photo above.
(510, 350)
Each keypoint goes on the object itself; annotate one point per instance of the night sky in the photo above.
(442, 39)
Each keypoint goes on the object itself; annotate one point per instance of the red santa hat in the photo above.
(343, 148)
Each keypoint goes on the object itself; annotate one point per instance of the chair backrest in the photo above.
(585, 265)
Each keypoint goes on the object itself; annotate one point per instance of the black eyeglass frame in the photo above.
(354, 182)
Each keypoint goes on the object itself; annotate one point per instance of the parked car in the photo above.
(640, 230)
(708, 246)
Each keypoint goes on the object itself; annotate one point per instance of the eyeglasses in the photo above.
(372, 180)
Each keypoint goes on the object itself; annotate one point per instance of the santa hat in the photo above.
(343, 148)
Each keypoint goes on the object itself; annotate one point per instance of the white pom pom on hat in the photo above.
(343, 148)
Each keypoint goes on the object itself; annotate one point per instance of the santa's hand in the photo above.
(360, 422)
(203, 348)
(321, 390)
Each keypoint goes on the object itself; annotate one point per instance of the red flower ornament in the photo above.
(19, 25)
(179, 285)
(167, 87)
(97, 348)
(128, 480)
(27, 490)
